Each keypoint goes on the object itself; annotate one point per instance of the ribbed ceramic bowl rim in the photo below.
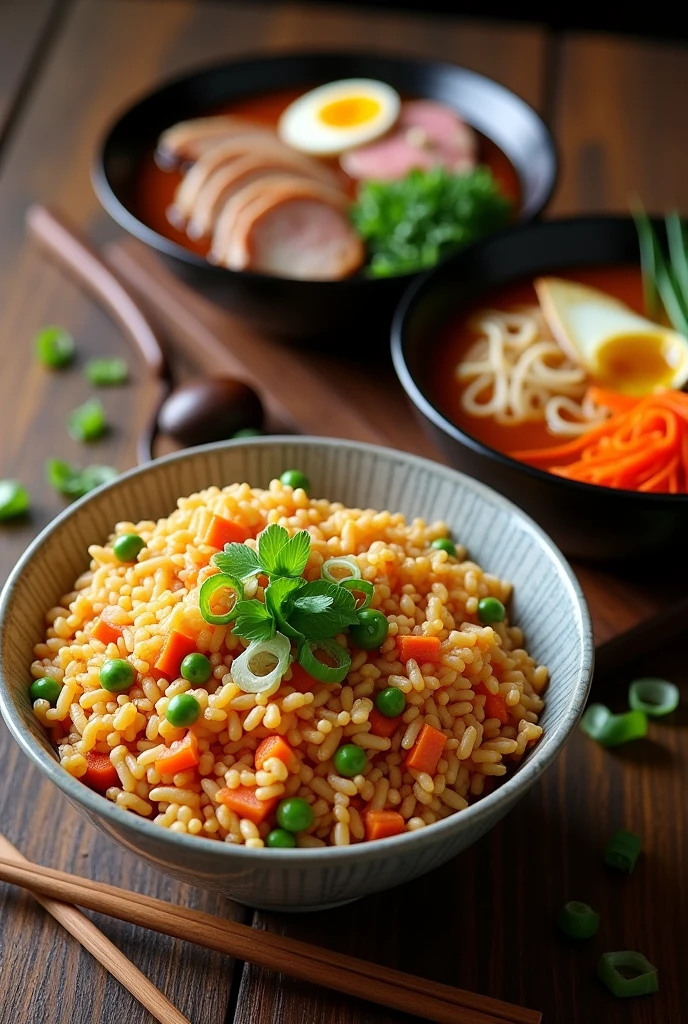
(541, 757)
(418, 288)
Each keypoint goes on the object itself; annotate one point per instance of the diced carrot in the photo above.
(244, 802)
(223, 531)
(421, 648)
(495, 704)
(381, 824)
(300, 679)
(273, 746)
(175, 648)
(104, 630)
(181, 755)
(100, 772)
(427, 750)
(381, 725)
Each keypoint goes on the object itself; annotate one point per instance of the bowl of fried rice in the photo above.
(294, 670)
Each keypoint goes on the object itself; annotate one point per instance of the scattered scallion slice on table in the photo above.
(54, 347)
(106, 372)
(639, 976)
(74, 482)
(87, 422)
(232, 592)
(656, 697)
(611, 730)
(623, 851)
(14, 499)
(272, 656)
(578, 920)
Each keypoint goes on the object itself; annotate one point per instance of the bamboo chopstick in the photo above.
(73, 921)
(337, 971)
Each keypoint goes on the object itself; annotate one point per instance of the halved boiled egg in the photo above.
(337, 116)
(619, 349)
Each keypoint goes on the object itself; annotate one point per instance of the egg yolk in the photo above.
(635, 364)
(349, 112)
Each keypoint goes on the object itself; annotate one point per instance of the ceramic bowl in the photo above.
(313, 312)
(547, 604)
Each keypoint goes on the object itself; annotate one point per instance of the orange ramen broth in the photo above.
(155, 188)
(624, 282)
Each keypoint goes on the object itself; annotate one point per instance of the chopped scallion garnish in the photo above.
(14, 499)
(232, 591)
(578, 920)
(362, 591)
(55, 347)
(639, 976)
(610, 730)
(106, 372)
(333, 670)
(87, 422)
(656, 697)
(336, 570)
(74, 482)
(667, 279)
(272, 656)
(623, 851)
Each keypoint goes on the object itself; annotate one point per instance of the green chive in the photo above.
(54, 347)
(14, 499)
(87, 422)
(106, 372)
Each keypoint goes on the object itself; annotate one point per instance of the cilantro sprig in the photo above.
(278, 554)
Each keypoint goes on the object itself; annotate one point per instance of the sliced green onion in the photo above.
(87, 422)
(639, 978)
(96, 476)
(14, 499)
(578, 920)
(55, 347)
(623, 851)
(74, 482)
(363, 591)
(210, 589)
(612, 730)
(677, 254)
(259, 655)
(106, 372)
(349, 566)
(656, 697)
(319, 670)
(648, 245)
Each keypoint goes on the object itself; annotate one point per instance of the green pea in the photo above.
(183, 710)
(490, 610)
(247, 432)
(127, 547)
(294, 814)
(45, 689)
(444, 544)
(117, 675)
(390, 702)
(280, 839)
(295, 478)
(371, 630)
(349, 760)
(196, 668)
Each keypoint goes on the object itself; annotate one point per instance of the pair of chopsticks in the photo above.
(300, 960)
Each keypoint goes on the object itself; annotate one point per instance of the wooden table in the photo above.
(484, 921)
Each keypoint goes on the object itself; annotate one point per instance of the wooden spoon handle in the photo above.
(66, 245)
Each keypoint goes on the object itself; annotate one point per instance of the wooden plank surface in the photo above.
(24, 29)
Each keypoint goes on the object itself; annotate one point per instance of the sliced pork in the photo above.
(186, 141)
(427, 134)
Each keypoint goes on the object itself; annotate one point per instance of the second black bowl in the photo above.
(586, 521)
(313, 311)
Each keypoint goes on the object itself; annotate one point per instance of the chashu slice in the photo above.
(219, 155)
(228, 179)
(294, 228)
(186, 141)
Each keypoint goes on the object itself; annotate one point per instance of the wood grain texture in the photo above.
(617, 112)
(24, 28)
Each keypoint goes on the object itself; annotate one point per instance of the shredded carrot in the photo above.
(381, 725)
(223, 531)
(427, 750)
(244, 802)
(104, 630)
(300, 679)
(495, 704)
(181, 755)
(175, 648)
(273, 746)
(381, 824)
(100, 772)
(421, 648)
(642, 447)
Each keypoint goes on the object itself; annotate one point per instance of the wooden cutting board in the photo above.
(304, 391)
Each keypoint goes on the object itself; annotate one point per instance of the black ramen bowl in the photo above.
(312, 311)
(587, 521)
